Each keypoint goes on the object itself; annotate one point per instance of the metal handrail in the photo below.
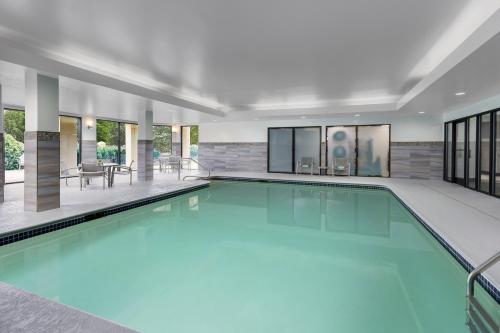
(479, 269)
(201, 165)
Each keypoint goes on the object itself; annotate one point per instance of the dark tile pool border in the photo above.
(485, 283)
(18, 235)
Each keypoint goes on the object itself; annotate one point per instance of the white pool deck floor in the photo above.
(468, 220)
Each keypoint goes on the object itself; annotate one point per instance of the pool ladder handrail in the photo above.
(193, 176)
(478, 318)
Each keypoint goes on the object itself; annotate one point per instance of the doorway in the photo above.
(189, 144)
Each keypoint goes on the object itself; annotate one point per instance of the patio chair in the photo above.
(341, 167)
(65, 171)
(89, 171)
(124, 170)
(305, 163)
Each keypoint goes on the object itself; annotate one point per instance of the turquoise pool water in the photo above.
(251, 257)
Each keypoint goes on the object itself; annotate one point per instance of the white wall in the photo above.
(403, 128)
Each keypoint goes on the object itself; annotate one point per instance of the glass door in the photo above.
(373, 150)
(460, 153)
(280, 150)
(367, 147)
(472, 152)
(341, 143)
(484, 153)
(308, 148)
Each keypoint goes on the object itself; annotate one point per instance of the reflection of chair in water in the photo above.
(305, 163)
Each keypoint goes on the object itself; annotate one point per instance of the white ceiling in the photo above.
(274, 58)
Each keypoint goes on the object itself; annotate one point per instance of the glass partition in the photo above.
(341, 143)
(280, 150)
(373, 150)
(460, 153)
(484, 161)
(308, 147)
(471, 179)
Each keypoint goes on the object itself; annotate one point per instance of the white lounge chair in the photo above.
(305, 163)
(124, 170)
(341, 167)
(91, 170)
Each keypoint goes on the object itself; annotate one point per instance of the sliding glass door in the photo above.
(366, 147)
(292, 146)
(373, 150)
(497, 154)
(341, 143)
(484, 153)
(308, 147)
(280, 151)
(460, 152)
(472, 152)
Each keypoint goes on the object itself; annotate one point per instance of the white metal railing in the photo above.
(478, 318)
(193, 176)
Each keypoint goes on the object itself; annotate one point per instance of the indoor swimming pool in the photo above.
(252, 257)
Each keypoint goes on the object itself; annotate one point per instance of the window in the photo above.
(116, 142)
(14, 145)
(162, 140)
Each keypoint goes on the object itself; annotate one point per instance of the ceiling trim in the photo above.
(474, 41)
(15, 51)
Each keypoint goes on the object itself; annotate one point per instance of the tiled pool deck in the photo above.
(467, 220)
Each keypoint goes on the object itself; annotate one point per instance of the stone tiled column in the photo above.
(41, 143)
(2, 151)
(89, 141)
(145, 146)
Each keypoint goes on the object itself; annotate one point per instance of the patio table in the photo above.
(110, 171)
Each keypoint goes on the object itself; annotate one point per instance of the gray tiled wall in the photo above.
(419, 160)
(2, 167)
(242, 156)
(41, 171)
(89, 151)
(145, 160)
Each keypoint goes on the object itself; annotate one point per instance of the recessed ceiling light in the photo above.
(255, 118)
(303, 117)
(357, 115)
(421, 112)
(214, 120)
(460, 93)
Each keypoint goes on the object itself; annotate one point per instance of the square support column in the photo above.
(89, 139)
(41, 143)
(2, 151)
(145, 146)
